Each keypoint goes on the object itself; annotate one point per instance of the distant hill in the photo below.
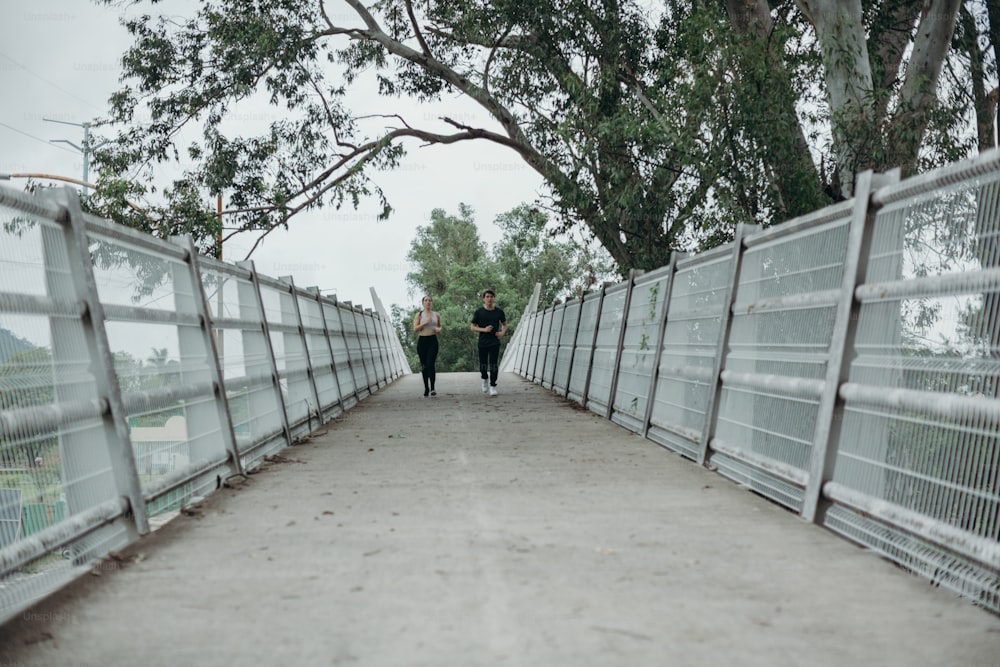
(11, 345)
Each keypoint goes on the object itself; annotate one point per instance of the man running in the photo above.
(491, 324)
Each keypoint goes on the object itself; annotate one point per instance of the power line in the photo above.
(54, 85)
(31, 136)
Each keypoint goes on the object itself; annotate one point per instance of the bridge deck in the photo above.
(516, 530)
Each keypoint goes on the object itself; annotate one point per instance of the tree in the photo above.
(528, 254)
(864, 72)
(976, 35)
(453, 266)
(658, 130)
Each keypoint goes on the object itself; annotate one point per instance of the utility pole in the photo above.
(85, 149)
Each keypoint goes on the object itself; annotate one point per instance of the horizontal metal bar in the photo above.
(821, 299)
(689, 434)
(134, 237)
(768, 382)
(247, 446)
(212, 265)
(766, 464)
(16, 422)
(652, 276)
(181, 476)
(152, 399)
(36, 304)
(697, 373)
(981, 549)
(834, 212)
(274, 283)
(294, 373)
(258, 381)
(948, 406)
(17, 555)
(30, 205)
(120, 313)
(950, 284)
(279, 327)
(706, 257)
(231, 323)
(693, 314)
(613, 290)
(986, 163)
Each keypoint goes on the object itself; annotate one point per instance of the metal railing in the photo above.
(845, 364)
(137, 376)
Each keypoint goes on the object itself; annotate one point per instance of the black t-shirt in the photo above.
(484, 318)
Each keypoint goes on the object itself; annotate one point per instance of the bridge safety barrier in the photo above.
(845, 364)
(136, 377)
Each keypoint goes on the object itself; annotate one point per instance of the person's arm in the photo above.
(475, 325)
(503, 329)
(416, 323)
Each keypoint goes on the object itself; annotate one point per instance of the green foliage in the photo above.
(453, 266)
(655, 129)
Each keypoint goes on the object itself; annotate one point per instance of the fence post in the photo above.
(512, 361)
(314, 291)
(523, 337)
(632, 275)
(540, 359)
(593, 344)
(305, 344)
(208, 343)
(376, 346)
(361, 350)
(540, 328)
(658, 355)
(526, 357)
(712, 409)
(347, 344)
(572, 350)
(558, 335)
(830, 412)
(269, 349)
(379, 335)
(555, 362)
(83, 455)
(359, 310)
(400, 365)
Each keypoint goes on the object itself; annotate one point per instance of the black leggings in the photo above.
(489, 362)
(427, 351)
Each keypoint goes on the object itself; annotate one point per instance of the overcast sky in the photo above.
(59, 60)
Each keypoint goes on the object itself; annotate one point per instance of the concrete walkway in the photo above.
(518, 530)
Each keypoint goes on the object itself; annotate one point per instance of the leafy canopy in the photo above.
(655, 128)
(452, 265)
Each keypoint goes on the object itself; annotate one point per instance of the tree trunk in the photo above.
(967, 38)
(930, 48)
(784, 140)
(840, 29)
(888, 38)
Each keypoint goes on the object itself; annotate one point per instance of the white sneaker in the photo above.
(486, 386)
(493, 391)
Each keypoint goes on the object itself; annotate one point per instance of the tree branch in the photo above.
(416, 28)
(930, 47)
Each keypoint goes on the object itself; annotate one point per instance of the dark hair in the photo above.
(489, 291)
